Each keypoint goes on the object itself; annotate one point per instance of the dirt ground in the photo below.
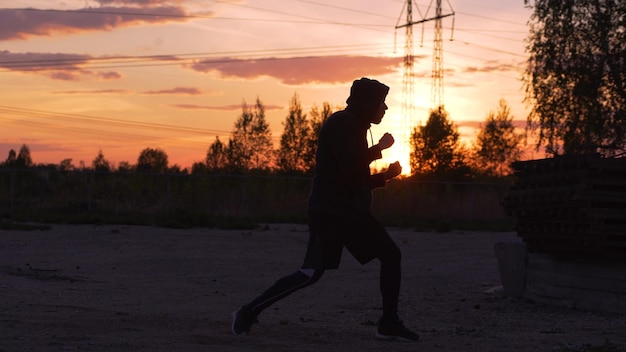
(126, 288)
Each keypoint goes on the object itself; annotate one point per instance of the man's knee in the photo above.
(313, 274)
(391, 253)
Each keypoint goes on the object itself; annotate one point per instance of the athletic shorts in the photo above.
(361, 234)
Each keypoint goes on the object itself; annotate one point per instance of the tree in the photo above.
(10, 161)
(177, 170)
(497, 144)
(19, 160)
(575, 79)
(152, 160)
(23, 157)
(100, 164)
(199, 168)
(293, 141)
(435, 146)
(317, 118)
(124, 166)
(66, 165)
(216, 157)
(250, 146)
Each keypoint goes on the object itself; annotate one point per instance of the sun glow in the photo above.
(399, 151)
(396, 153)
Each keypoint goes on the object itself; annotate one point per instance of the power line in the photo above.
(311, 20)
(490, 49)
(95, 11)
(493, 19)
(347, 9)
(454, 54)
(488, 30)
(106, 121)
(300, 16)
(475, 32)
(46, 126)
(481, 16)
(216, 18)
(110, 62)
(51, 116)
(176, 59)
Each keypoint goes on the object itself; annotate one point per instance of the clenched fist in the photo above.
(394, 170)
(385, 141)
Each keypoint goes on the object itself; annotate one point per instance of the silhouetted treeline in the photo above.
(436, 151)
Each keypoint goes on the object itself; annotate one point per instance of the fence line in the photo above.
(32, 192)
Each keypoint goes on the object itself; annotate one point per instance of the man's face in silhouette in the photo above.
(377, 116)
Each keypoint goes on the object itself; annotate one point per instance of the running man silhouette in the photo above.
(339, 211)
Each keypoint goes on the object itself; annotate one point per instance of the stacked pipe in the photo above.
(570, 204)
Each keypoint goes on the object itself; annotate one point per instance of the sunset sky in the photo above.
(80, 76)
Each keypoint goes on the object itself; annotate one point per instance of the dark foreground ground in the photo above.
(122, 288)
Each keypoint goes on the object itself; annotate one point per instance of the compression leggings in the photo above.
(283, 288)
(390, 277)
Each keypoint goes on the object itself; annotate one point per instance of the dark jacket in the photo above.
(342, 182)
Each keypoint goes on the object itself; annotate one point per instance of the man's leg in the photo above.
(247, 315)
(323, 251)
(390, 276)
(390, 326)
(373, 241)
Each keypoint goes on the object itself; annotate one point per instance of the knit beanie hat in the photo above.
(367, 92)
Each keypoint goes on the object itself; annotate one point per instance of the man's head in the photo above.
(367, 97)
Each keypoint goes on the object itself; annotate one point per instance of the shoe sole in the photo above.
(232, 326)
(393, 338)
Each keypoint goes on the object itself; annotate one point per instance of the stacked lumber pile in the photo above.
(570, 204)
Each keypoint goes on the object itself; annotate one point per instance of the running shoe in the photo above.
(242, 321)
(395, 330)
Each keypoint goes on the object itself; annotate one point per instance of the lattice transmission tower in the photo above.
(436, 98)
(408, 93)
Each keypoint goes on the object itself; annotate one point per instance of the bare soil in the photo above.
(126, 288)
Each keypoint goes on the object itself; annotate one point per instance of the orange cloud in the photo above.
(301, 70)
(75, 74)
(110, 75)
(493, 67)
(24, 23)
(98, 91)
(221, 107)
(177, 90)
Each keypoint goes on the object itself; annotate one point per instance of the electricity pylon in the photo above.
(408, 94)
(436, 99)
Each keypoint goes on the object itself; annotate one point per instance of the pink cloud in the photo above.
(110, 75)
(493, 67)
(40, 61)
(58, 66)
(176, 90)
(24, 23)
(98, 91)
(138, 2)
(63, 75)
(301, 70)
(232, 107)
(78, 74)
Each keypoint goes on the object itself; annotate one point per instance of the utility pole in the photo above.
(408, 94)
(436, 99)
